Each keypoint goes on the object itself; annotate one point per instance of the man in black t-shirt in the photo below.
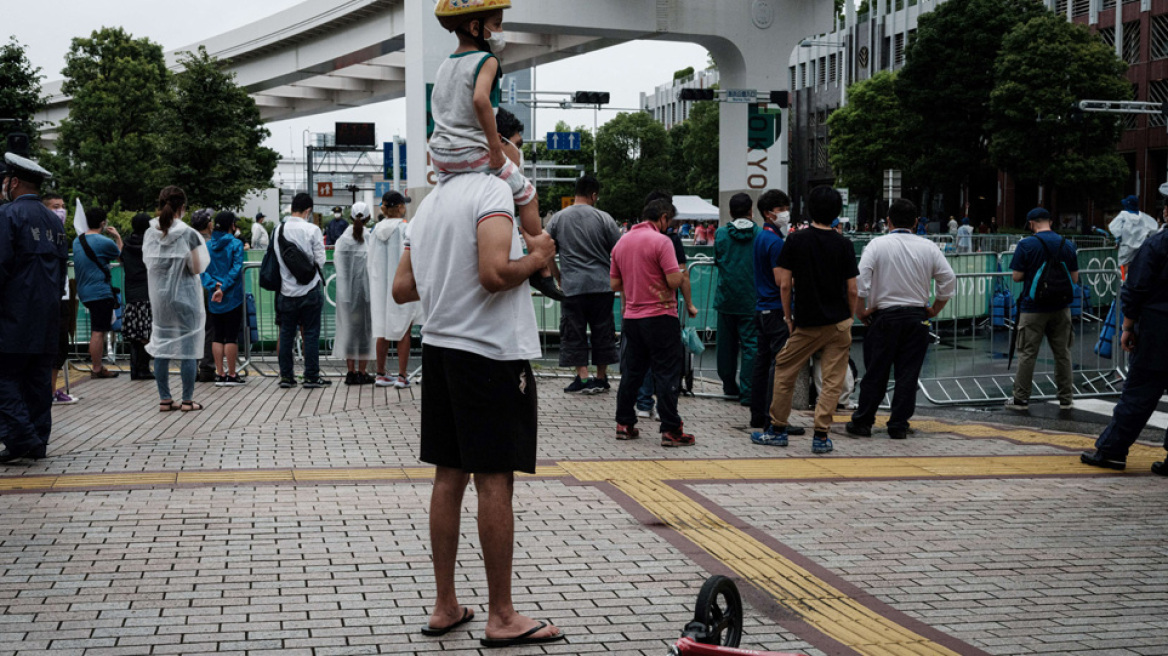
(819, 265)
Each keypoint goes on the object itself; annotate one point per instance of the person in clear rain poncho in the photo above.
(175, 256)
(354, 337)
(392, 323)
(1131, 228)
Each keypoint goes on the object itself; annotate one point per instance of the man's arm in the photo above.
(497, 271)
(687, 294)
(1018, 276)
(405, 286)
(785, 280)
(863, 284)
(853, 293)
(318, 251)
(946, 285)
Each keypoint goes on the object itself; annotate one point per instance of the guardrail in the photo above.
(968, 364)
(964, 367)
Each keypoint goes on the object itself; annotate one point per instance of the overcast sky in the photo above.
(174, 24)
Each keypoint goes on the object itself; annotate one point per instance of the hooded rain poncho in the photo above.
(173, 264)
(354, 339)
(1131, 229)
(390, 320)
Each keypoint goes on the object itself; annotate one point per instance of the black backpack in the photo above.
(301, 265)
(270, 270)
(1052, 286)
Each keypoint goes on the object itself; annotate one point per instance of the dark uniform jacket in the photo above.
(33, 270)
(1145, 300)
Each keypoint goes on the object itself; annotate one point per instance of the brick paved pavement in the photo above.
(1004, 565)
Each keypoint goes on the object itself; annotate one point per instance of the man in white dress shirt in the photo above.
(895, 284)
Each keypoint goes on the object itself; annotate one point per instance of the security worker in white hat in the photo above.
(33, 269)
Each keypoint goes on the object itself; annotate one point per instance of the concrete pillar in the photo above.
(427, 45)
(1119, 28)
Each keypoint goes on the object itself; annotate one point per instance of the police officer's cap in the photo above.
(25, 169)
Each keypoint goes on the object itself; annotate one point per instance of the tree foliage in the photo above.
(945, 85)
(867, 135)
(1046, 66)
(213, 146)
(20, 92)
(635, 158)
(700, 151)
(109, 145)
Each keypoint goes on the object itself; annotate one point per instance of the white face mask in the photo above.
(61, 214)
(783, 220)
(498, 42)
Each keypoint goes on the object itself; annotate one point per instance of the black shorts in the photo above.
(578, 314)
(478, 415)
(225, 327)
(101, 315)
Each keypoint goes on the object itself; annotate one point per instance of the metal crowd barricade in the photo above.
(968, 365)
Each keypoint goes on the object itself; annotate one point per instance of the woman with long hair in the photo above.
(354, 337)
(175, 256)
(137, 318)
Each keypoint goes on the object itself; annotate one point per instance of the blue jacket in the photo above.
(33, 268)
(226, 268)
(1145, 299)
(767, 247)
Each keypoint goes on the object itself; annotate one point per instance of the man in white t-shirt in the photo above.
(464, 261)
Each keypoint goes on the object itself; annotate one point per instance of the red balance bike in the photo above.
(716, 628)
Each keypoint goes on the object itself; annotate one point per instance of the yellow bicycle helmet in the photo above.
(450, 8)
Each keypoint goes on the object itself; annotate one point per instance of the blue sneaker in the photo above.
(772, 436)
(821, 444)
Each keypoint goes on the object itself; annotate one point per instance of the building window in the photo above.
(792, 86)
(1107, 34)
(1060, 7)
(1081, 8)
(1108, 4)
(1129, 120)
(884, 50)
(831, 69)
(1131, 42)
(811, 78)
(1157, 93)
(1159, 44)
(899, 49)
(822, 71)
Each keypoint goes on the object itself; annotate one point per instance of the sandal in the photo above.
(191, 406)
(166, 406)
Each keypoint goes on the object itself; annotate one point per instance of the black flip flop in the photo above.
(467, 616)
(524, 639)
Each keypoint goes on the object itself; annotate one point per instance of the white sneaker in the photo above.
(1069, 405)
(642, 414)
(384, 381)
(1015, 404)
(401, 382)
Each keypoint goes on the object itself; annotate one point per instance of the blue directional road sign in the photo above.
(389, 159)
(563, 141)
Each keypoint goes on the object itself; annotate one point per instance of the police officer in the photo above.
(1145, 322)
(33, 268)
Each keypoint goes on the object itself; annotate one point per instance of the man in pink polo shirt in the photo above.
(646, 274)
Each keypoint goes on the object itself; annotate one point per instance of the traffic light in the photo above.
(592, 98)
(694, 95)
(18, 144)
(781, 98)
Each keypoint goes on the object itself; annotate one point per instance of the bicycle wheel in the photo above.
(719, 611)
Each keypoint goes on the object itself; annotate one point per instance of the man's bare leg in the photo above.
(445, 515)
(403, 355)
(497, 535)
(382, 354)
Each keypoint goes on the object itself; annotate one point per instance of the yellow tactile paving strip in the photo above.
(815, 601)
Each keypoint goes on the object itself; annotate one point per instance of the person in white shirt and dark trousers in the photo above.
(299, 304)
(896, 276)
